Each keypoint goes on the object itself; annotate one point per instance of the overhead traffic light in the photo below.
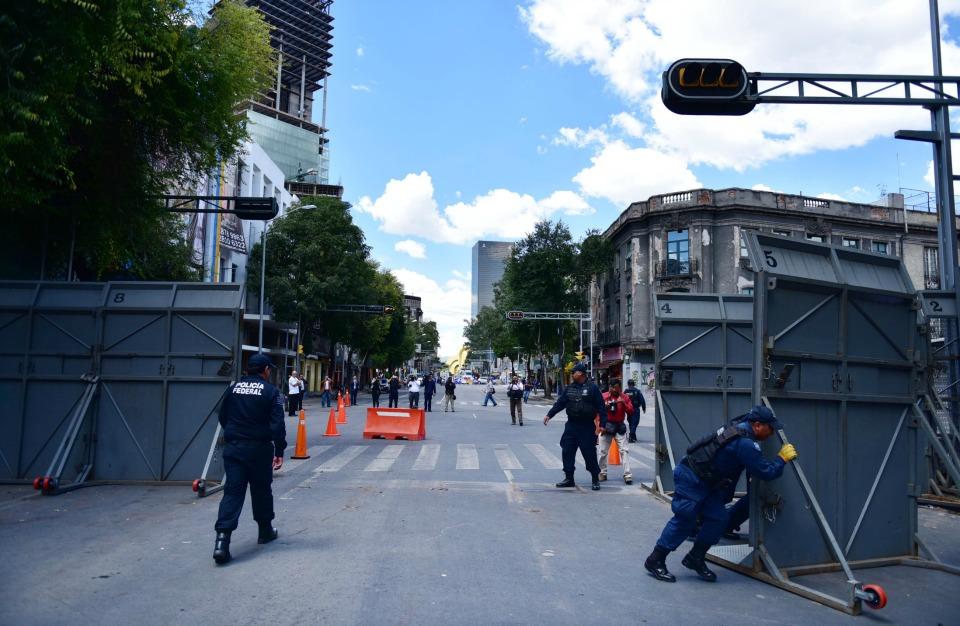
(256, 208)
(707, 87)
(388, 310)
(580, 355)
(515, 316)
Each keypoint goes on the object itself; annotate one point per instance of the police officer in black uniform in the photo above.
(583, 401)
(251, 415)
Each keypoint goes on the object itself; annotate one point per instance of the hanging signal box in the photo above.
(707, 87)
(515, 316)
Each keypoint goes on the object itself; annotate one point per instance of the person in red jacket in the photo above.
(619, 408)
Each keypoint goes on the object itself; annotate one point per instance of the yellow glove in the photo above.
(787, 453)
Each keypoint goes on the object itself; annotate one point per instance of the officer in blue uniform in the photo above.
(639, 403)
(704, 482)
(251, 415)
(583, 401)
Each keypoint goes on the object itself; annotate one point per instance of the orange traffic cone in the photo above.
(331, 426)
(339, 401)
(613, 457)
(342, 416)
(346, 399)
(301, 450)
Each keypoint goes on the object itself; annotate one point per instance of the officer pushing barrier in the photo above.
(705, 481)
(583, 402)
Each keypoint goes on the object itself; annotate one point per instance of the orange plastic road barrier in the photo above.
(331, 426)
(341, 415)
(301, 450)
(409, 424)
(613, 456)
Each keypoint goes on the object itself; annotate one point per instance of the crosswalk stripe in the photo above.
(547, 459)
(467, 458)
(506, 458)
(427, 459)
(336, 463)
(385, 460)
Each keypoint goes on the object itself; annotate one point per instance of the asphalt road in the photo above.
(462, 528)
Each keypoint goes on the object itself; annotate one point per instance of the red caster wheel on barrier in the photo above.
(38, 483)
(49, 484)
(875, 596)
(197, 485)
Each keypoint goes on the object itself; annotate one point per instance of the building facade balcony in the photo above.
(675, 268)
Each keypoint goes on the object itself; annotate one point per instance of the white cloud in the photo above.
(761, 187)
(407, 207)
(541, 150)
(581, 138)
(409, 246)
(360, 51)
(929, 177)
(623, 174)
(447, 305)
(629, 124)
(360, 88)
(831, 196)
(630, 42)
(461, 275)
(523, 119)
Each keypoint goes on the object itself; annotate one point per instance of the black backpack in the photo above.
(701, 453)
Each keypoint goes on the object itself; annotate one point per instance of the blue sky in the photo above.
(456, 121)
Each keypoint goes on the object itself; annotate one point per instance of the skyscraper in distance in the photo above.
(489, 261)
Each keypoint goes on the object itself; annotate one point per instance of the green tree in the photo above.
(106, 105)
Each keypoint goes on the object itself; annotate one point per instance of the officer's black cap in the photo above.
(763, 415)
(581, 367)
(258, 363)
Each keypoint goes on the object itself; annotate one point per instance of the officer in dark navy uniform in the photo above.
(705, 481)
(251, 415)
(583, 401)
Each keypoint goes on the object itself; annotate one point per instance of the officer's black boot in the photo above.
(656, 564)
(267, 532)
(567, 482)
(596, 482)
(695, 561)
(221, 549)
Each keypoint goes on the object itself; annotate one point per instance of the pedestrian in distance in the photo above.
(515, 395)
(393, 392)
(583, 403)
(375, 392)
(491, 390)
(527, 388)
(639, 404)
(327, 388)
(705, 480)
(449, 394)
(429, 389)
(255, 437)
(413, 389)
(619, 406)
(293, 393)
(354, 390)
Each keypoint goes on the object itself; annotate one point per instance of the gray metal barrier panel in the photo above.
(160, 354)
(836, 359)
(704, 361)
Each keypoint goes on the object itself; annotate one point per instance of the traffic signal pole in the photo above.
(581, 318)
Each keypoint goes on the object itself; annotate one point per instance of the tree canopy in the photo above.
(106, 106)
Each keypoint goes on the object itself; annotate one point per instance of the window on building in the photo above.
(817, 238)
(628, 266)
(850, 242)
(629, 310)
(678, 252)
(743, 242)
(881, 247)
(747, 291)
(931, 268)
(781, 233)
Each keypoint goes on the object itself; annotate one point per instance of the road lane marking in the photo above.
(338, 462)
(467, 458)
(427, 459)
(506, 458)
(385, 460)
(547, 459)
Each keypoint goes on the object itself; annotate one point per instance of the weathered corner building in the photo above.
(692, 241)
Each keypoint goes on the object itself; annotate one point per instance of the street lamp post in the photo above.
(263, 272)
